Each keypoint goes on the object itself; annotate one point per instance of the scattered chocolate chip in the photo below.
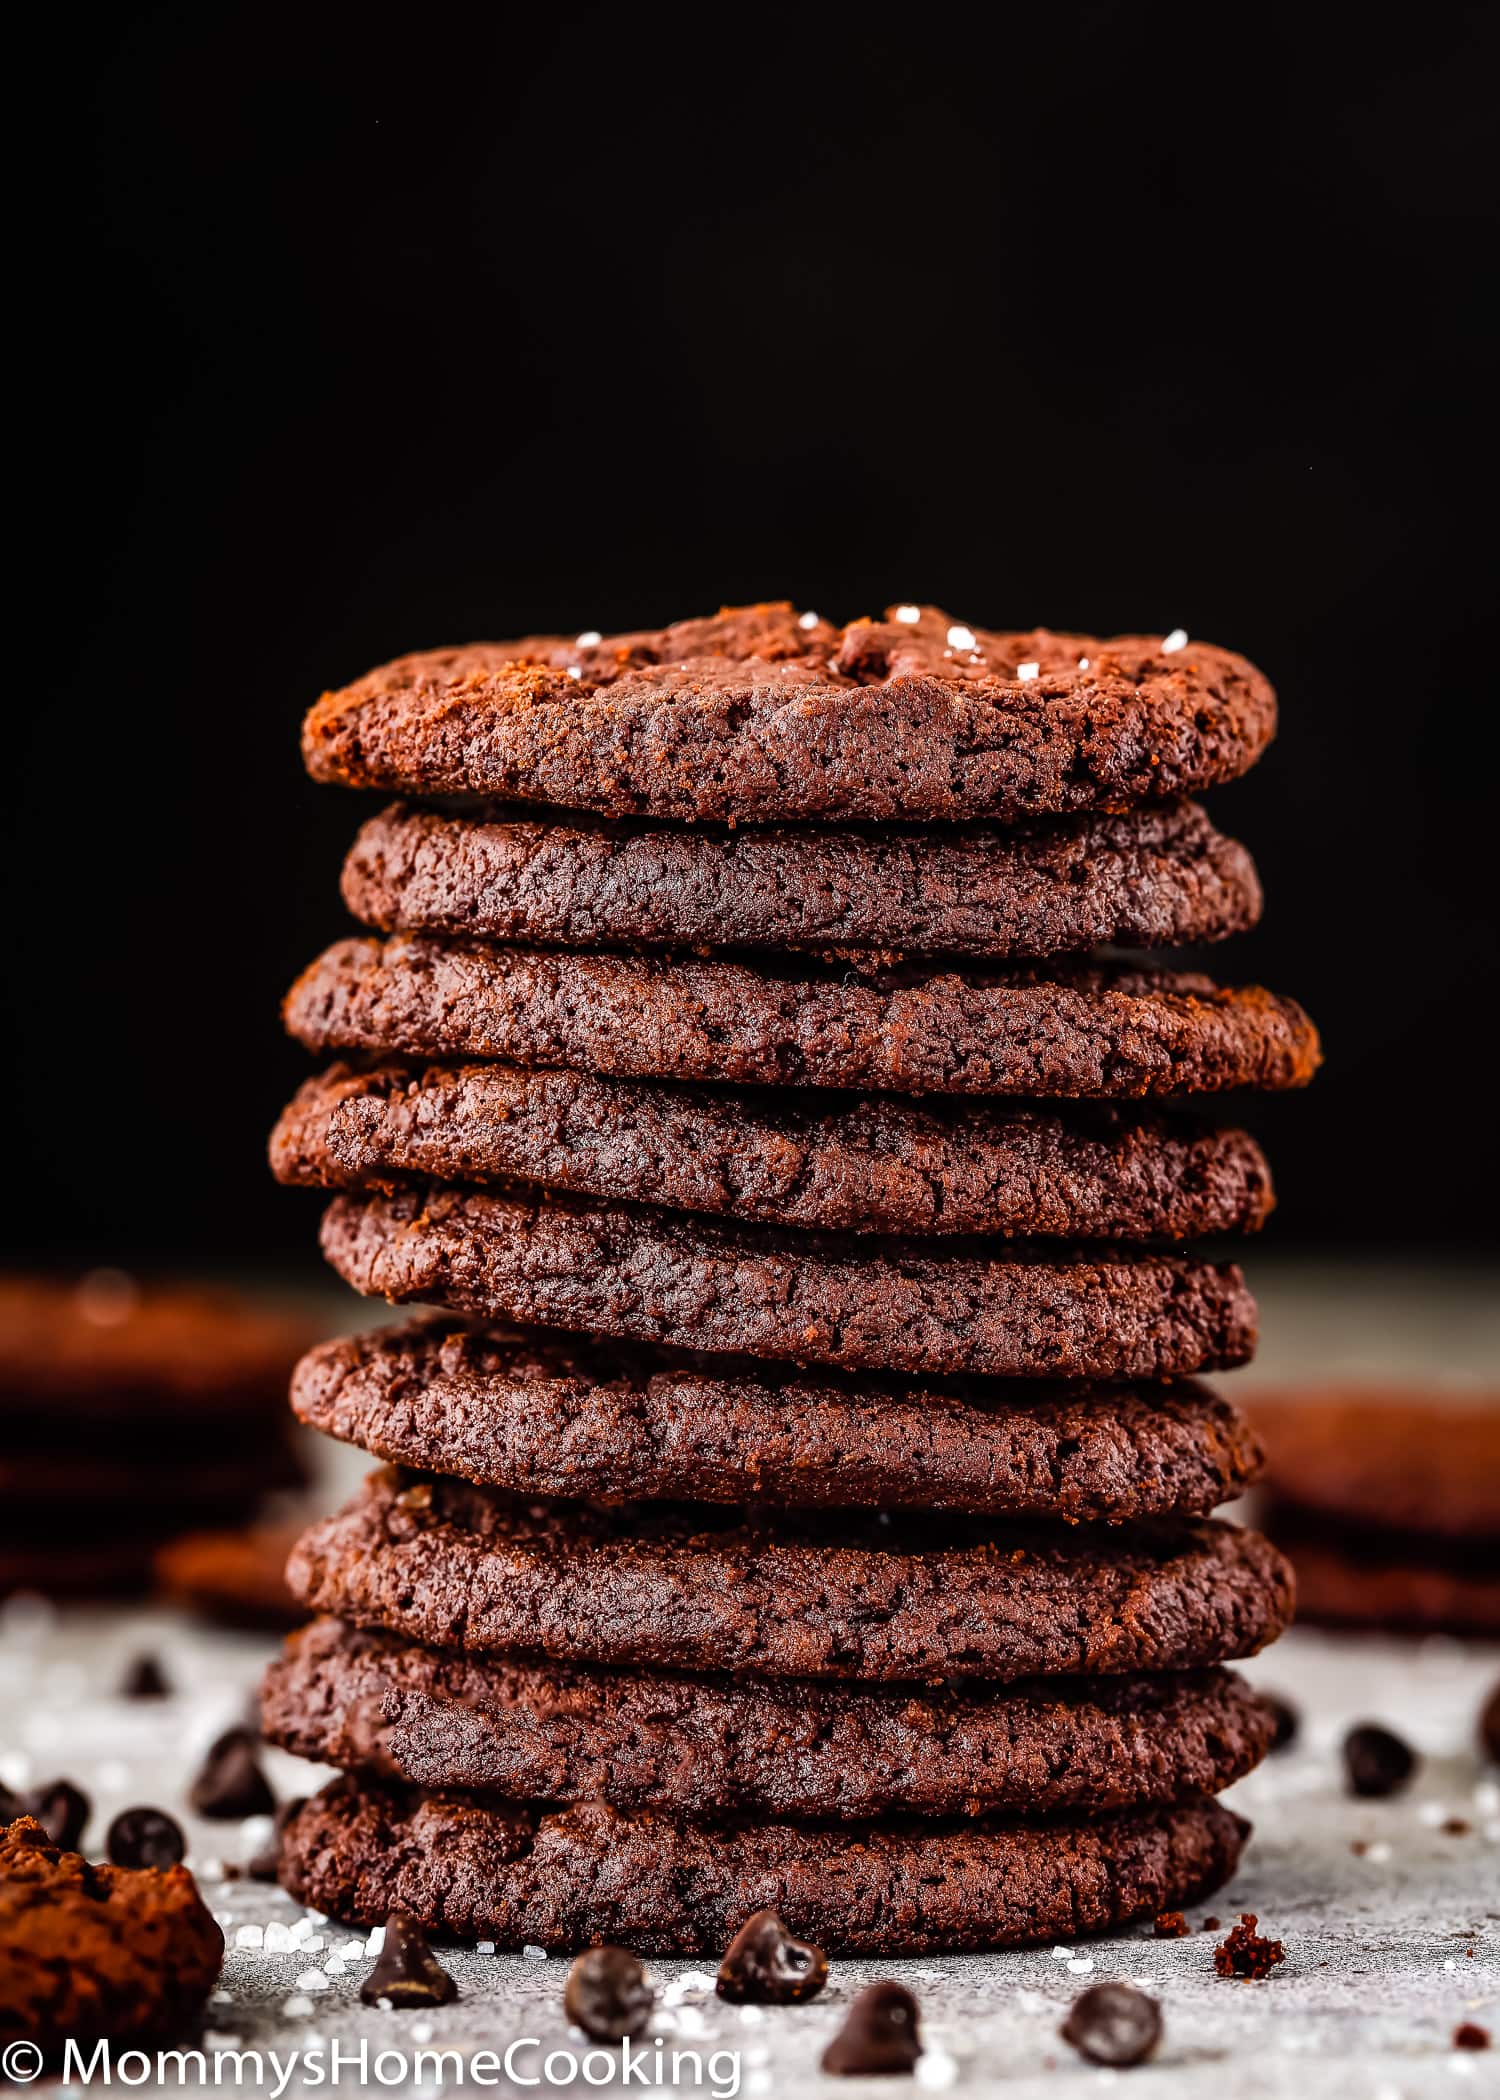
(1376, 1762)
(144, 1837)
(608, 1994)
(265, 1865)
(145, 1679)
(1489, 1726)
(231, 1784)
(766, 1966)
(1471, 2036)
(1171, 1925)
(879, 2034)
(1456, 1827)
(407, 1972)
(1245, 1954)
(1212, 1924)
(63, 1812)
(1113, 2024)
(1288, 1721)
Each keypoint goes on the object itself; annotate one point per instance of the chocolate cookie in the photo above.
(572, 1878)
(96, 1953)
(864, 1596)
(105, 1345)
(1416, 1462)
(1088, 1172)
(761, 714)
(555, 1417)
(1387, 1580)
(709, 1746)
(171, 1490)
(43, 1559)
(1101, 1031)
(815, 1298)
(1147, 878)
(233, 1578)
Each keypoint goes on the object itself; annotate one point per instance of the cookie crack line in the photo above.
(752, 716)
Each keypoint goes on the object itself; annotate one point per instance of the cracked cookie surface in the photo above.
(590, 1874)
(1066, 1030)
(706, 1746)
(760, 713)
(544, 1416)
(860, 1595)
(1026, 1311)
(875, 1165)
(1160, 877)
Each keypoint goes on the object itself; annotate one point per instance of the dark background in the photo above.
(351, 334)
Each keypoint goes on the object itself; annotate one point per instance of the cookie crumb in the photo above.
(1171, 1925)
(1245, 1954)
(1471, 2036)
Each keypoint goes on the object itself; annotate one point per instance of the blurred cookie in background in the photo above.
(234, 1578)
(131, 1413)
(1387, 1502)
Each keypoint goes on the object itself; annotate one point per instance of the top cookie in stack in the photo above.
(605, 1061)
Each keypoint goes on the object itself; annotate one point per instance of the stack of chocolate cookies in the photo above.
(802, 1498)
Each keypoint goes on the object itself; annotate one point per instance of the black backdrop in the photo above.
(355, 333)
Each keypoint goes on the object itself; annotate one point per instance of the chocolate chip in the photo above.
(1471, 2036)
(1245, 1954)
(766, 1966)
(231, 1784)
(1456, 1827)
(608, 1994)
(1288, 1721)
(265, 1865)
(1171, 1925)
(144, 1837)
(1489, 1726)
(1114, 2024)
(407, 1972)
(145, 1679)
(1376, 1762)
(880, 2033)
(63, 1812)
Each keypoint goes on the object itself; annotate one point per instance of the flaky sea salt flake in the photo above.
(1171, 643)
